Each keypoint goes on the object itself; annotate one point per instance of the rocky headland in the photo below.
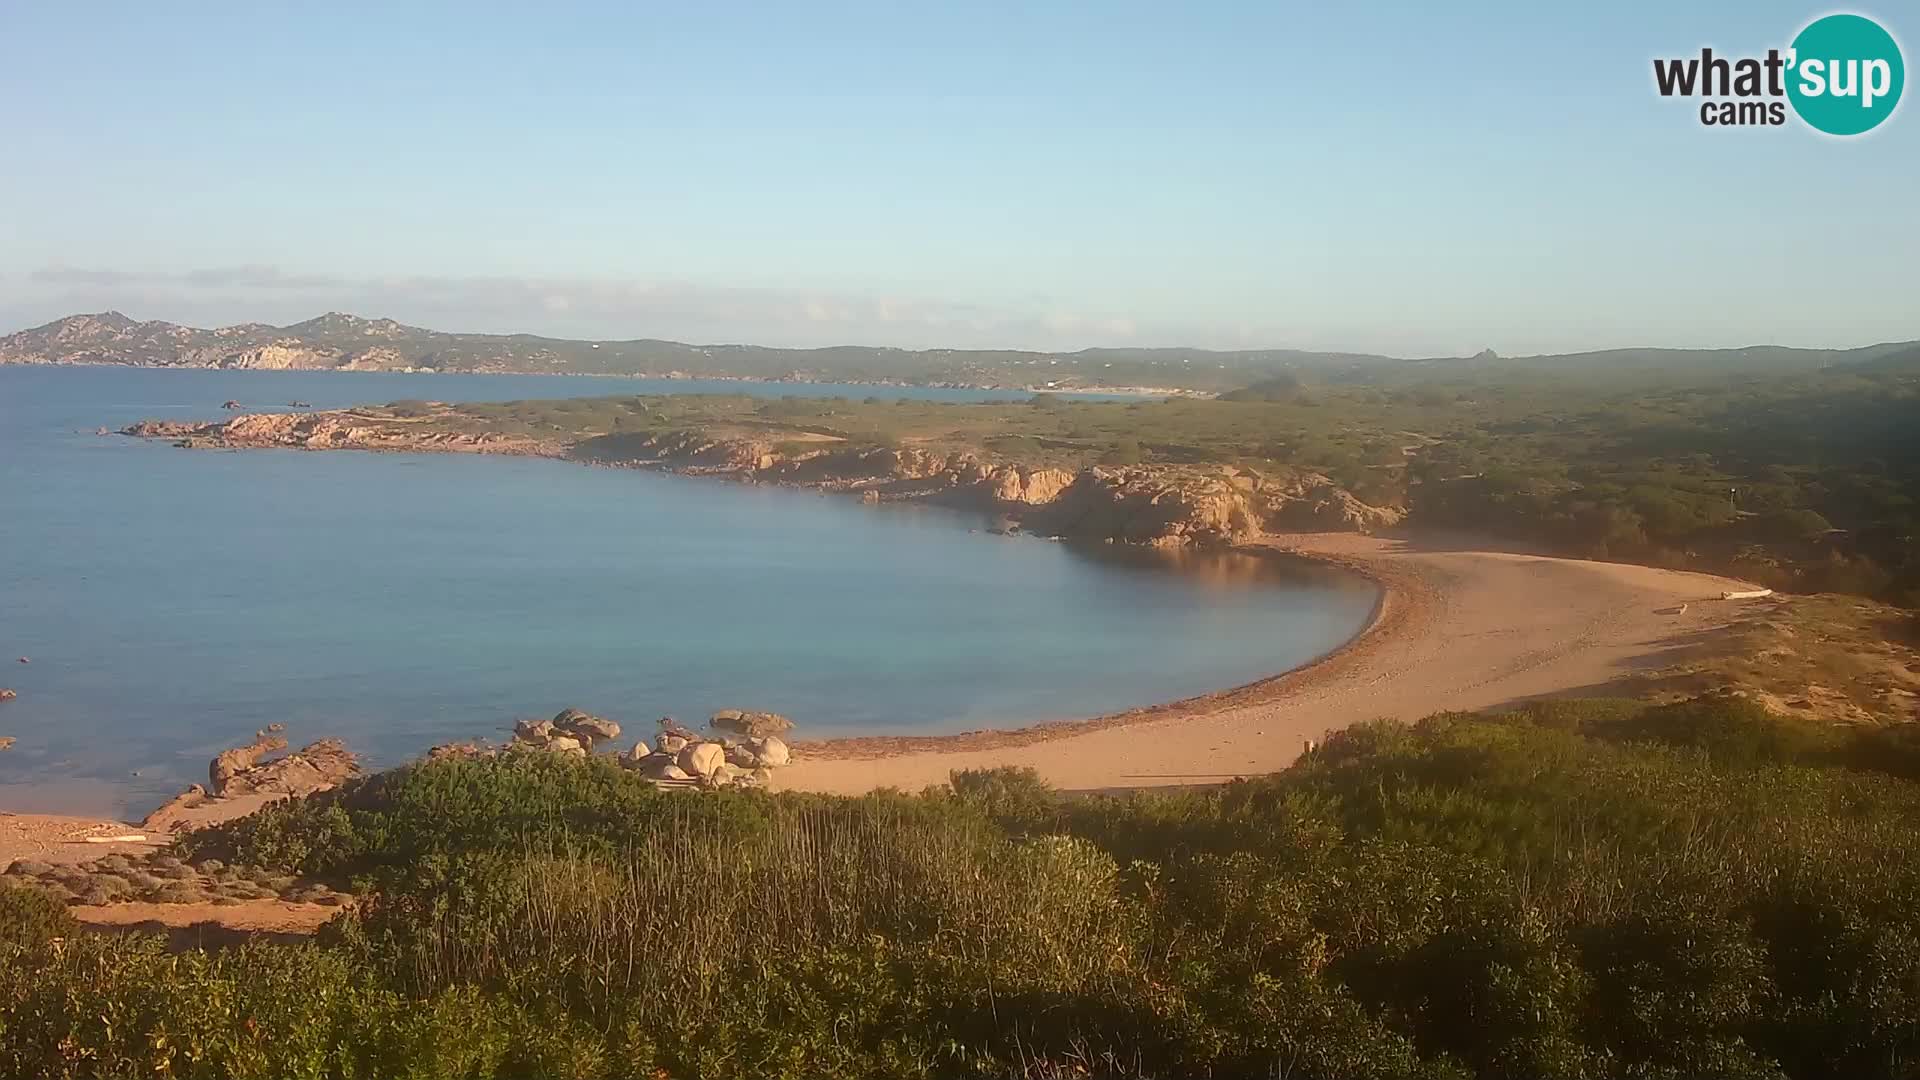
(1164, 505)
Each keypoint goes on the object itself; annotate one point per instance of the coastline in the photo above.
(1460, 626)
(757, 380)
(1398, 600)
(1456, 625)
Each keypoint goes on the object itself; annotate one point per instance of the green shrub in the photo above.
(1567, 889)
(29, 917)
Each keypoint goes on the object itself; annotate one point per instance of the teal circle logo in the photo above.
(1845, 74)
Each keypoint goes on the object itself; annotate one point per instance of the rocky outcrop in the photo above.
(315, 767)
(1162, 505)
(231, 763)
(753, 725)
(1165, 505)
(235, 775)
(571, 731)
(336, 431)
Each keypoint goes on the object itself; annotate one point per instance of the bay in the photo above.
(172, 602)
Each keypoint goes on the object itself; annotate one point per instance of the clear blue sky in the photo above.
(1406, 177)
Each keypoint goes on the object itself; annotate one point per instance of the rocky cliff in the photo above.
(1164, 505)
(336, 431)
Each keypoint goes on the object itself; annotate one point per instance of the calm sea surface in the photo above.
(171, 602)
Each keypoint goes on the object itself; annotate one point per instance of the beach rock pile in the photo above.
(753, 725)
(571, 731)
(683, 758)
(678, 757)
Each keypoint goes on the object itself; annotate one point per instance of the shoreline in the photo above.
(1460, 625)
(1414, 655)
(1455, 625)
(1397, 600)
(758, 380)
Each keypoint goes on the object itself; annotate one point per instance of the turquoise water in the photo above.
(172, 601)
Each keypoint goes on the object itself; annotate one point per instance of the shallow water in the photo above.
(172, 601)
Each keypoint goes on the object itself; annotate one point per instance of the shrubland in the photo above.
(1573, 889)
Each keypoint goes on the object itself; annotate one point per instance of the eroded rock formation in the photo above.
(1164, 505)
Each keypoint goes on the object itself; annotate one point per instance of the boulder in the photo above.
(169, 817)
(701, 759)
(6, 694)
(317, 766)
(565, 718)
(229, 764)
(6, 742)
(533, 730)
(672, 744)
(593, 729)
(773, 752)
(564, 743)
(762, 776)
(742, 757)
(751, 724)
(660, 768)
(638, 754)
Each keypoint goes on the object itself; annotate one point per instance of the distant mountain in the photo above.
(1750, 360)
(341, 342)
(1903, 358)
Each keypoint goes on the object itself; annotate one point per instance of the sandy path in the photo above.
(250, 916)
(55, 838)
(1459, 629)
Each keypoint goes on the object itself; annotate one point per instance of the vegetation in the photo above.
(1809, 483)
(338, 340)
(1579, 889)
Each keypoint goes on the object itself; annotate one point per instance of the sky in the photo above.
(1407, 177)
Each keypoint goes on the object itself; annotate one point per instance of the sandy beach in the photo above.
(1459, 627)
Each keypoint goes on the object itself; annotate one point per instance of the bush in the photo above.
(1569, 889)
(29, 917)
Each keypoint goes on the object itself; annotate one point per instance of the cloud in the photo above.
(577, 307)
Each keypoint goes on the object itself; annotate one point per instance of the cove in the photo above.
(173, 602)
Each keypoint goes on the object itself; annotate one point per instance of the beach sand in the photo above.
(1460, 626)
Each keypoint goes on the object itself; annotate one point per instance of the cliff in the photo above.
(1162, 505)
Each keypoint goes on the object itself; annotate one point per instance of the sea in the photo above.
(158, 605)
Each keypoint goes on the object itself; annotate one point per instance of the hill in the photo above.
(341, 342)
